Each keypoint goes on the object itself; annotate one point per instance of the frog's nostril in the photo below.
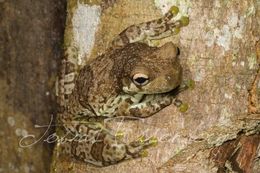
(168, 78)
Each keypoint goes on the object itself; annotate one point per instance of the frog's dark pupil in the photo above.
(178, 51)
(141, 80)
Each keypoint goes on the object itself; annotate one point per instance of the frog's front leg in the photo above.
(151, 104)
(152, 30)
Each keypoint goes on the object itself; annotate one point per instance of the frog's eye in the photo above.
(140, 79)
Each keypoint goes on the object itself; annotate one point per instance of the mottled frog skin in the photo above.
(131, 79)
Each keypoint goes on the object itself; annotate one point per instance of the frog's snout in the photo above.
(170, 80)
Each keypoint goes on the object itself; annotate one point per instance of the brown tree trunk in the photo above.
(31, 36)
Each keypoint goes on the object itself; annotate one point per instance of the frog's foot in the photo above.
(165, 26)
(115, 151)
(138, 148)
(152, 30)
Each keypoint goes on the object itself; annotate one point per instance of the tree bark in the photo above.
(219, 51)
(31, 36)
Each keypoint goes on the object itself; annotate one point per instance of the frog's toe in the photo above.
(183, 107)
(184, 21)
(143, 153)
(138, 148)
(153, 141)
(190, 84)
(119, 135)
(141, 139)
(174, 10)
(176, 30)
(187, 84)
(143, 143)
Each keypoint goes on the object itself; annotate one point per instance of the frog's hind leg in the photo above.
(97, 145)
(115, 151)
(152, 30)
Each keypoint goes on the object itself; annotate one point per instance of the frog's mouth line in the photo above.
(177, 90)
(173, 92)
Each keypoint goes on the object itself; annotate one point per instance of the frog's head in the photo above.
(157, 71)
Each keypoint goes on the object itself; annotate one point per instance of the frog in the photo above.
(130, 79)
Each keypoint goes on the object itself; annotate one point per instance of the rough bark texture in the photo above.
(219, 50)
(31, 36)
